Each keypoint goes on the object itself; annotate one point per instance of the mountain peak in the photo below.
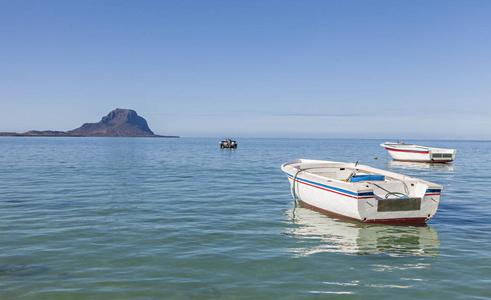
(119, 122)
(119, 113)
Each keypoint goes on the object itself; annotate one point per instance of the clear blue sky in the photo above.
(330, 69)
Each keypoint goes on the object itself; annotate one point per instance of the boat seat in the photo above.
(327, 174)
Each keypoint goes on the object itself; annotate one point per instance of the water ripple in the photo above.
(182, 219)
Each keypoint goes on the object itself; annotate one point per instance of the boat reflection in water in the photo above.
(320, 232)
(392, 164)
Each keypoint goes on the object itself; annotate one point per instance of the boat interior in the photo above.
(346, 174)
(384, 187)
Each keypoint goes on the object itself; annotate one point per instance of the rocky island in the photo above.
(118, 123)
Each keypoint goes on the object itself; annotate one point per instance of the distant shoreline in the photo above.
(118, 123)
(71, 135)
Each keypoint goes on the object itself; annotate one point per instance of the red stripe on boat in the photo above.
(327, 190)
(408, 151)
(423, 161)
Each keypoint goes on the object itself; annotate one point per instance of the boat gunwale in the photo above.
(296, 164)
(352, 189)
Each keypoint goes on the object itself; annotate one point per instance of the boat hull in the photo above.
(358, 202)
(377, 221)
(415, 153)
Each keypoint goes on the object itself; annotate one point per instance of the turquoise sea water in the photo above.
(143, 218)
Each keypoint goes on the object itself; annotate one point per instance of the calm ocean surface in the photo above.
(154, 218)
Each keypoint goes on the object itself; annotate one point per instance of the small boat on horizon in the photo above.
(416, 153)
(228, 143)
(361, 192)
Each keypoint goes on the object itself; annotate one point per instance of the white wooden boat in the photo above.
(361, 192)
(416, 153)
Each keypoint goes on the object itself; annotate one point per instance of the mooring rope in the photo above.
(293, 186)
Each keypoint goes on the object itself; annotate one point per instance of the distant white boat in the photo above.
(361, 192)
(416, 153)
